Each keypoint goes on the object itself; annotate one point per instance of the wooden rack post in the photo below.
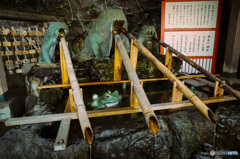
(168, 59)
(218, 91)
(134, 57)
(176, 94)
(62, 136)
(117, 64)
(70, 105)
(65, 79)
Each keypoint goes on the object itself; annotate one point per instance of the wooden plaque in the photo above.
(7, 43)
(5, 32)
(25, 52)
(26, 61)
(15, 33)
(16, 43)
(9, 53)
(18, 52)
(23, 33)
(32, 43)
(32, 51)
(24, 43)
(31, 34)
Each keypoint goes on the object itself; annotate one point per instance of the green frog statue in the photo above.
(100, 37)
(107, 100)
(50, 41)
(145, 37)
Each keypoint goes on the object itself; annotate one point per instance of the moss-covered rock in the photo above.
(16, 80)
(51, 96)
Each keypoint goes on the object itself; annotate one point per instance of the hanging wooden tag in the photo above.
(15, 33)
(33, 60)
(10, 67)
(10, 72)
(18, 52)
(5, 32)
(18, 70)
(7, 43)
(26, 61)
(39, 42)
(9, 53)
(39, 50)
(24, 43)
(16, 43)
(31, 34)
(23, 33)
(9, 62)
(32, 51)
(2, 53)
(18, 62)
(38, 33)
(32, 43)
(25, 52)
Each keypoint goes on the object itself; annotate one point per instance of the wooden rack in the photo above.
(70, 109)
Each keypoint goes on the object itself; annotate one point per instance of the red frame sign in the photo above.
(192, 27)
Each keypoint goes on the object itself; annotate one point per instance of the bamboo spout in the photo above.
(81, 110)
(148, 113)
(187, 93)
(201, 69)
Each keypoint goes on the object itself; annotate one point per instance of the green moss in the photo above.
(51, 96)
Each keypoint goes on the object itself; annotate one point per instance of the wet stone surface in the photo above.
(181, 132)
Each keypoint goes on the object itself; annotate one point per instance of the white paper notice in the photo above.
(191, 43)
(198, 14)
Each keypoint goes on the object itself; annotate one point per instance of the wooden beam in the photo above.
(65, 78)
(25, 16)
(62, 136)
(110, 112)
(133, 98)
(168, 59)
(122, 81)
(117, 64)
(176, 93)
(211, 84)
(218, 91)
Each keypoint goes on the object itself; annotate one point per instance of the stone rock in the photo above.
(51, 96)
(226, 133)
(181, 132)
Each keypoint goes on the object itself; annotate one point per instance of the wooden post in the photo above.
(65, 79)
(62, 136)
(148, 113)
(168, 59)
(133, 98)
(117, 64)
(133, 57)
(71, 106)
(176, 94)
(218, 91)
(81, 109)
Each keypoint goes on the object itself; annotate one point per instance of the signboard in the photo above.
(192, 27)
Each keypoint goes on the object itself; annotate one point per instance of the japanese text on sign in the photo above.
(192, 43)
(198, 14)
